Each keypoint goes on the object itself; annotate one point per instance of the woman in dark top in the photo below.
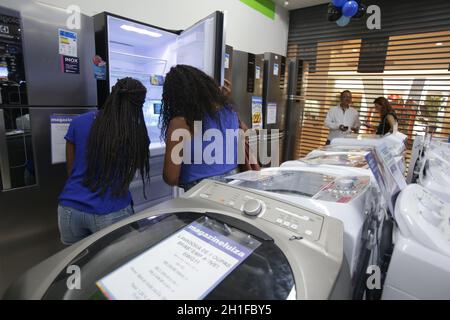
(388, 117)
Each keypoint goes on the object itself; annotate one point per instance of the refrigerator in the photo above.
(274, 106)
(297, 74)
(129, 48)
(247, 87)
(37, 85)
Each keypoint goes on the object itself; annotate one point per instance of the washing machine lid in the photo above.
(424, 217)
(395, 141)
(362, 136)
(310, 184)
(344, 148)
(356, 160)
(437, 172)
(185, 255)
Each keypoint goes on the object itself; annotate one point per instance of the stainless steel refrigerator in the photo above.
(297, 74)
(129, 48)
(37, 85)
(274, 104)
(247, 87)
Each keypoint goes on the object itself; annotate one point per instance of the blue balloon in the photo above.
(339, 3)
(343, 21)
(350, 8)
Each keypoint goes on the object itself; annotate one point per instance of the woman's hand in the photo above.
(369, 127)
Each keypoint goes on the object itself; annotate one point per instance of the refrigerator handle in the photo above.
(4, 159)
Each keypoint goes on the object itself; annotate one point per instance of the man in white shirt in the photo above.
(342, 119)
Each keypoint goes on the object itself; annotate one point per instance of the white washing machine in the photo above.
(420, 264)
(332, 191)
(396, 143)
(435, 176)
(216, 242)
(351, 157)
(346, 156)
(425, 148)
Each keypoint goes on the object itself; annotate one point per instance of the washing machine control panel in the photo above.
(299, 221)
(434, 211)
(344, 189)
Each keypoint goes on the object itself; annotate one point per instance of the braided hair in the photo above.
(190, 93)
(118, 143)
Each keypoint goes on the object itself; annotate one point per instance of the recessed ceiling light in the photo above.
(439, 44)
(140, 31)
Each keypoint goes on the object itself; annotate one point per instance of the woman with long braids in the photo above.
(104, 151)
(190, 95)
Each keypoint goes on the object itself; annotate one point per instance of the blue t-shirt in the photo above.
(75, 194)
(226, 119)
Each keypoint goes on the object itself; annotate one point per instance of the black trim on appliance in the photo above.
(219, 47)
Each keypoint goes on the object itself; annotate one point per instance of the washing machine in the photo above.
(334, 192)
(435, 175)
(346, 156)
(216, 242)
(420, 264)
(396, 142)
(351, 157)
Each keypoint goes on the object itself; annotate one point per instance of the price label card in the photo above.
(186, 266)
(271, 113)
(67, 43)
(257, 115)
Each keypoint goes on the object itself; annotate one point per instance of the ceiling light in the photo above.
(140, 31)
(439, 44)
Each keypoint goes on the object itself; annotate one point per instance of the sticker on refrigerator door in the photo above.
(70, 65)
(275, 69)
(258, 73)
(99, 68)
(67, 43)
(271, 113)
(59, 124)
(257, 116)
(156, 80)
(227, 61)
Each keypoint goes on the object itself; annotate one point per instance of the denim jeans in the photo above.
(75, 225)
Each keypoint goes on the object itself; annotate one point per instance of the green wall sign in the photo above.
(266, 7)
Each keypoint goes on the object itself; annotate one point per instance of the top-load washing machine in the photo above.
(434, 173)
(346, 156)
(335, 192)
(396, 142)
(420, 264)
(351, 157)
(216, 242)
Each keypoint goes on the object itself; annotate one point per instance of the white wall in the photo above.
(246, 29)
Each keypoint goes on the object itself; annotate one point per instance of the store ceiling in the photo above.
(297, 4)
